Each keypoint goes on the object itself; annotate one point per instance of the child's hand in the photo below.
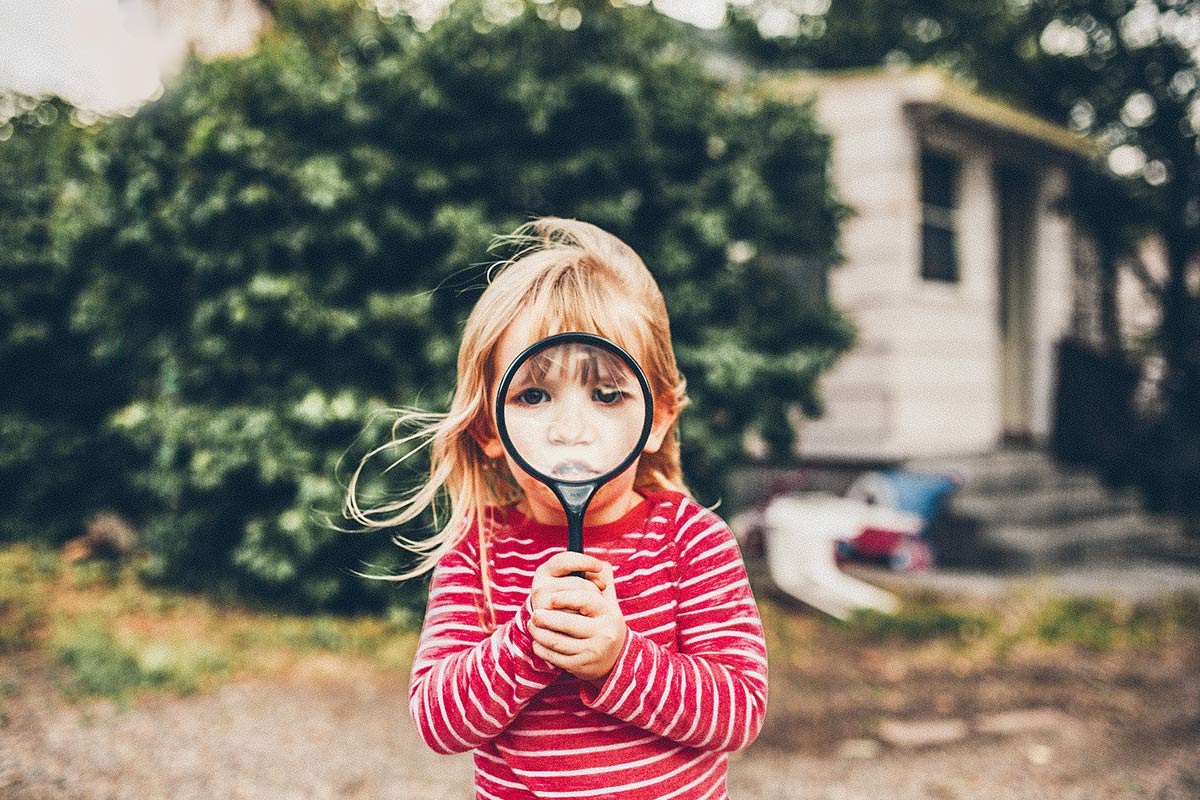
(577, 623)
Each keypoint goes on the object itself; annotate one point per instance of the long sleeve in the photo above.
(468, 686)
(712, 693)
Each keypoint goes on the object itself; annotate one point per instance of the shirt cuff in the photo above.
(522, 639)
(608, 696)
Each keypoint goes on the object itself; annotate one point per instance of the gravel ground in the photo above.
(334, 732)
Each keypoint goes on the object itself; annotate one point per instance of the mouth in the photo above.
(573, 471)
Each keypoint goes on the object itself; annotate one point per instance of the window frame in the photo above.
(940, 256)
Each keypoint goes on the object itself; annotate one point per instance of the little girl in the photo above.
(634, 680)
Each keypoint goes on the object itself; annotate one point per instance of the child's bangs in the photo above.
(576, 363)
(570, 306)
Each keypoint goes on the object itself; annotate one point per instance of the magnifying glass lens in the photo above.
(574, 411)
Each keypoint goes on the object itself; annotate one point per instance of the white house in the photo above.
(958, 268)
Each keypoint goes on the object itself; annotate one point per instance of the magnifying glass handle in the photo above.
(575, 536)
(575, 532)
(575, 499)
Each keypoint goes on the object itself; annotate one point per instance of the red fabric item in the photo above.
(877, 542)
(689, 687)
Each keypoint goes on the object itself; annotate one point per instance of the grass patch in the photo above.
(322, 633)
(96, 663)
(107, 634)
(1101, 624)
(385, 642)
(1185, 610)
(8, 690)
(22, 597)
(922, 619)
(1090, 623)
(965, 634)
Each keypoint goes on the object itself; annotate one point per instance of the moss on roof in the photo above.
(935, 89)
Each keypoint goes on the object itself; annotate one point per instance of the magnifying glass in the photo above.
(574, 410)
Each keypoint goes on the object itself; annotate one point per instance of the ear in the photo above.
(493, 447)
(488, 440)
(665, 414)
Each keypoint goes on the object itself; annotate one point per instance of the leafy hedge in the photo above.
(285, 245)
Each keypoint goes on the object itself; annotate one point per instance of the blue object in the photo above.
(920, 493)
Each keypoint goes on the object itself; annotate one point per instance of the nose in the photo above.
(570, 424)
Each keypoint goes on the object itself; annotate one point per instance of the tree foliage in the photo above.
(291, 241)
(1127, 73)
(53, 397)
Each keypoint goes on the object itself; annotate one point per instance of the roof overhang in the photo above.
(933, 99)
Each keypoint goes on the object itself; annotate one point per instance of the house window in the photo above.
(939, 203)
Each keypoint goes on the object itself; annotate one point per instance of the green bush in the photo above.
(57, 461)
(289, 242)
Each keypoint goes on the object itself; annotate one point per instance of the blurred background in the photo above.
(932, 274)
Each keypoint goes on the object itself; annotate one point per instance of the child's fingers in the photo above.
(544, 590)
(556, 642)
(566, 623)
(564, 564)
(559, 660)
(606, 582)
(587, 601)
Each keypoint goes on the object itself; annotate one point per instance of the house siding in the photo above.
(873, 153)
(925, 379)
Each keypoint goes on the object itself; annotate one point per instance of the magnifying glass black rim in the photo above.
(576, 337)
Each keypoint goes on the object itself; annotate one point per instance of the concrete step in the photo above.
(1018, 510)
(1104, 538)
(1044, 506)
(971, 543)
(1008, 471)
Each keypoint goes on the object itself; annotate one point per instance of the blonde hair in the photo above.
(572, 276)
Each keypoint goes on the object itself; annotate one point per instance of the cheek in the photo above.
(527, 483)
(618, 487)
(618, 435)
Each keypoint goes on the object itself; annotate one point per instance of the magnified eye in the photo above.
(532, 397)
(607, 395)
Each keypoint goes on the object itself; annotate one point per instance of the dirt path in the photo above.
(336, 730)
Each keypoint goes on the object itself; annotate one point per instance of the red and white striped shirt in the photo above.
(690, 684)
